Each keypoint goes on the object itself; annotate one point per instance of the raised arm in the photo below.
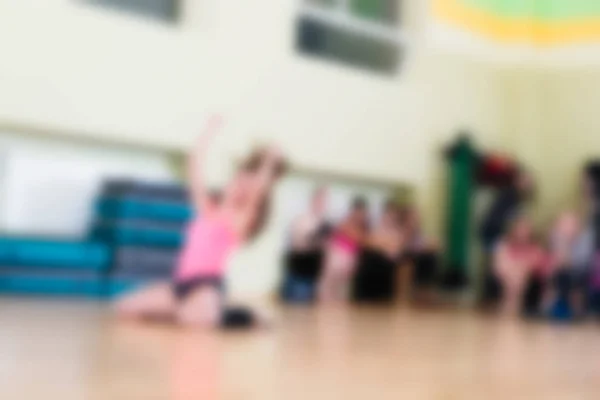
(195, 163)
(266, 176)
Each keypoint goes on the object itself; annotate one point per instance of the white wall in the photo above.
(47, 187)
(71, 66)
(89, 71)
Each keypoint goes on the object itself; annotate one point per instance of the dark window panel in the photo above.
(166, 10)
(322, 3)
(319, 39)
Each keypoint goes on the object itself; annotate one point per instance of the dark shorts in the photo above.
(183, 289)
(231, 317)
(425, 265)
(375, 278)
(305, 265)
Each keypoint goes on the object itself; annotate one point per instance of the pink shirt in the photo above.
(209, 243)
(345, 243)
(539, 261)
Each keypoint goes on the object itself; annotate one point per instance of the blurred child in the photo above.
(508, 202)
(342, 252)
(422, 255)
(388, 236)
(304, 257)
(568, 287)
(375, 279)
(516, 258)
(195, 297)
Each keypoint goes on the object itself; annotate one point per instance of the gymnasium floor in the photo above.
(76, 351)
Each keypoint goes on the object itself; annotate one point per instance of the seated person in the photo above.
(570, 258)
(507, 202)
(422, 254)
(342, 252)
(304, 258)
(516, 259)
(375, 279)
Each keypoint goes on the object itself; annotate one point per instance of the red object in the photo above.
(496, 170)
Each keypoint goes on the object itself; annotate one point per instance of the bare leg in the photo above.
(513, 300)
(404, 282)
(343, 280)
(153, 302)
(201, 309)
(327, 286)
(332, 281)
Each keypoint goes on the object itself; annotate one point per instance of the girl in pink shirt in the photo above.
(341, 254)
(516, 258)
(223, 224)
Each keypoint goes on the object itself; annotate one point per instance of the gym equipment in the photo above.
(170, 192)
(117, 286)
(144, 223)
(52, 253)
(134, 240)
(135, 234)
(125, 208)
(60, 285)
(49, 266)
(141, 260)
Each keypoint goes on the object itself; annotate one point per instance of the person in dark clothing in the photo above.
(421, 255)
(304, 257)
(375, 277)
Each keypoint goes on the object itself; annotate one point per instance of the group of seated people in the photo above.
(552, 276)
(355, 259)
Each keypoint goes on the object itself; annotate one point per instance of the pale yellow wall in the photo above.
(68, 66)
(571, 133)
(554, 127)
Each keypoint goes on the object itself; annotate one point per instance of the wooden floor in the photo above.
(62, 350)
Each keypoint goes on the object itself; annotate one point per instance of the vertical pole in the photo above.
(461, 190)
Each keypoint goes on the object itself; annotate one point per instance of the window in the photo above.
(362, 33)
(166, 10)
(380, 11)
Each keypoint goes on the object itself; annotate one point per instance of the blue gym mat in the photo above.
(52, 285)
(118, 286)
(122, 233)
(141, 260)
(152, 191)
(50, 253)
(143, 209)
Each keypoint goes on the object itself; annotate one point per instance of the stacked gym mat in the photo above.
(48, 266)
(143, 223)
